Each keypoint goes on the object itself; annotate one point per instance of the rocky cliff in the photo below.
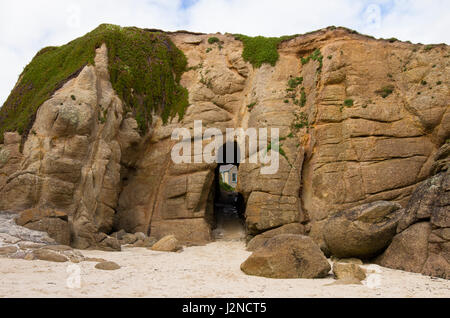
(361, 121)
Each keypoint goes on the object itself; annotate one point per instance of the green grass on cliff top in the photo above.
(259, 50)
(145, 69)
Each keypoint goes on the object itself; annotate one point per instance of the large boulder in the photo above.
(423, 241)
(362, 232)
(260, 240)
(409, 249)
(287, 256)
(54, 223)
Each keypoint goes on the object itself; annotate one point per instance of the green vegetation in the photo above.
(213, 40)
(250, 107)
(392, 40)
(208, 50)
(315, 56)
(303, 98)
(226, 187)
(423, 82)
(259, 50)
(385, 91)
(301, 121)
(145, 69)
(348, 102)
(439, 83)
(428, 48)
(292, 90)
(295, 82)
(280, 150)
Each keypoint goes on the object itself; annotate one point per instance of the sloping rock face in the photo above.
(363, 125)
(71, 159)
(423, 242)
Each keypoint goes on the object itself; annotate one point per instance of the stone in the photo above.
(167, 244)
(188, 232)
(86, 158)
(362, 232)
(317, 234)
(119, 235)
(140, 236)
(29, 257)
(8, 239)
(49, 256)
(147, 242)
(8, 250)
(347, 260)
(30, 245)
(13, 233)
(422, 244)
(54, 223)
(58, 248)
(107, 266)
(348, 272)
(128, 239)
(34, 215)
(74, 256)
(260, 240)
(409, 249)
(287, 256)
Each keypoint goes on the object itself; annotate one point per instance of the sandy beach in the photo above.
(197, 272)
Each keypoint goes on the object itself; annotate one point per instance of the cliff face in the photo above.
(361, 120)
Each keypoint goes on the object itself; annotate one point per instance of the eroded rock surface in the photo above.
(363, 125)
(423, 241)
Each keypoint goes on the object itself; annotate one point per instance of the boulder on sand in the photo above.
(258, 241)
(348, 272)
(107, 266)
(288, 256)
(362, 232)
(167, 244)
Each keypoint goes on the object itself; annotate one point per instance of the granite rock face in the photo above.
(355, 131)
(423, 241)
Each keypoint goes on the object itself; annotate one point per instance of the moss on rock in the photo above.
(259, 50)
(145, 68)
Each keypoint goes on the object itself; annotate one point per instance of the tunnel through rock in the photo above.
(229, 205)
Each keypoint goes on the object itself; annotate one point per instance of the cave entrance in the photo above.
(229, 205)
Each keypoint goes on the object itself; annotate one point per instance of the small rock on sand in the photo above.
(167, 244)
(50, 256)
(107, 266)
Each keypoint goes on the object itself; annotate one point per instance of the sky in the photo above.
(26, 26)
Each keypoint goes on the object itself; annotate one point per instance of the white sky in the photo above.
(27, 26)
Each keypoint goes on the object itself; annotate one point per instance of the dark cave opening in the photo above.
(229, 205)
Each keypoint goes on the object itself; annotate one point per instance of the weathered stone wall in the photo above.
(84, 156)
(71, 159)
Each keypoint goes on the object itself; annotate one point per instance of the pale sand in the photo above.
(209, 271)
